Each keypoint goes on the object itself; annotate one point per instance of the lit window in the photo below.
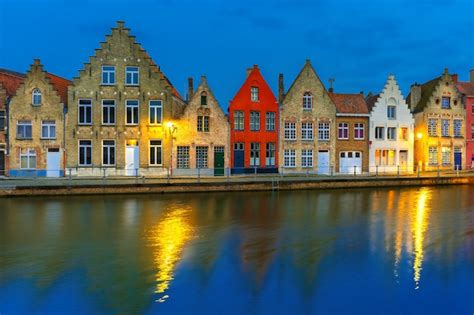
(108, 75)
(343, 131)
(307, 131)
(432, 127)
(307, 101)
(254, 94)
(446, 155)
(323, 131)
(48, 129)
(433, 155)
(203, 123)
(24, 129)
(155, 112)
(131, 107)
(155, 153)
(108, 152)
(183, 157)
(290, 130)
(132, 75)
(404, 133)
(36, 97)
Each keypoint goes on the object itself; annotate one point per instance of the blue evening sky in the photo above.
(356, 42)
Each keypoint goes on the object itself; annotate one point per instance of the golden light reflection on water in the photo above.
(419, 225)
(168, 238)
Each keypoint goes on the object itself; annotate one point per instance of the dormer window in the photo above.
(445, 102)
(36, 97)
(203, 98)
(307, 100)
(254, 94)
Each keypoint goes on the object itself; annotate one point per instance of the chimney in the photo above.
(471, 75)
(415, 95)
(331, 83)
(190, 88)
(455, 78)
(361, 93)
(248, 70)
(281, 88)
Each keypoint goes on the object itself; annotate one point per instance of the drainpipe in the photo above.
(65, 109)
(7, 127)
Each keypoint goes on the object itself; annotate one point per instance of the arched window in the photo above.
(36, 97)
(203, 98)
(307, 100)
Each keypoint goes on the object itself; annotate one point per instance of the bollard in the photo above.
(227, 170)
(457, 170)
(398, 170)
(332, 170)
(199, 175)
(167, 175)
(438, 170)
(255, 173)
(418, 170)
(355, 170)
(376, 170)
(307, 172)
(70, 177)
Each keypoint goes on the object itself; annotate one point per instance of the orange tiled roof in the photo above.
(349, 103)
(466, 88)
(60, 85)
(11, 80)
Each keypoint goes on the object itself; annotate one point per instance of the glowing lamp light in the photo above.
(419, 135)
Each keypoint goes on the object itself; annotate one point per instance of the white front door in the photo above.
(53, 163)
(349, 162)
(323, 162)
(131, 160)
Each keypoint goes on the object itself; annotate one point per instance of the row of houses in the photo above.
(122, 116)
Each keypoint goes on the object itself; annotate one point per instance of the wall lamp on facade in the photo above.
(419, 135)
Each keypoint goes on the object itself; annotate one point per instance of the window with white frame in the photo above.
(201, 156)
(432, 155)
(445, 127)
(391, 133)
(132, 75)
(24, 129)
(307, 131)
(446, 155)
(270, 154)
(85, 152)
(307, 101)
(85, 112)
(359, 131)
(155, 112)
(323, 131)
(203, 123)
(254, 154)
(343, 131)
(270, 121)
(3, 119)
(289, 158)
(108, 112)
(306, 158)
(156, 157)
(108, 152)
(457, 127)
(36, 97)
(254, 94)
(48, 129)
(445, 102)
(108, 75)
(183, 157)
(379, 133)
(131, 109)
(391, 112)
(254, 121)
(239, 120)
(432, 127)
(27, 158)
(290, 130)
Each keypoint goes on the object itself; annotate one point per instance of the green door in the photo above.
(218, 161)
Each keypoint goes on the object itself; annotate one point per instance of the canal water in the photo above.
(363, 251)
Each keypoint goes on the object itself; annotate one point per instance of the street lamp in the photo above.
(172, 129)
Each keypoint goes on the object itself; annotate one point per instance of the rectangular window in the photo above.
(391, 133)
(203, 123)
(27, 158)
(183, 157)
(48, 129)
(131, 108)
(445, 127)
(307, 131)
(270, 121)
(132, 75)
(108, 75)
(404, 133)
(238, 146)
(270, 154)
(85, 112)
(445, 102)
(254, 121)
(457, 127)
(432, 127)
(433, 155)
(391, 113)
(323, 131)
(108, 112)
(24, 129)
(289, 158)
(3, 119)
(446, 155)
(156, 153)
(379, 133)
(254, 94)
(359, 131)
(472, 131)
(343, 131)
(307, 158)
(201, 157)
(155, 112)
(85, 152)
(238, 120)
(108, 152)
(254, 154)
(290, 130)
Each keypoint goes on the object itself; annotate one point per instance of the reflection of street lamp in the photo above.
(172, 129)
(419, 136)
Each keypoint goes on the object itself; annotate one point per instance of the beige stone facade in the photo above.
(36, 120)
(307, 125)
(121, 107)
(202, 137)
(3, 129)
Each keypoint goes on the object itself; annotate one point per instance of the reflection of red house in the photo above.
(467, 90)
(253, 115)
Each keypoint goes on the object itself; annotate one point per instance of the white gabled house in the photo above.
(391, 132)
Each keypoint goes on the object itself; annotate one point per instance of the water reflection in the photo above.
(420, 224)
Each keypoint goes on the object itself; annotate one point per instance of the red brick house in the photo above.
(253, 115)
(467, 91)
